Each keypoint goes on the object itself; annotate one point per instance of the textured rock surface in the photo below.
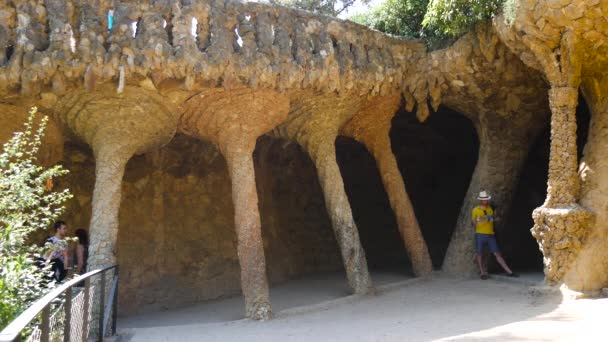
(588, 269)
(13, 119)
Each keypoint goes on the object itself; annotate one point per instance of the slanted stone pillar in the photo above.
(314, 124)
(503, 149)
(116, 127)
(371, 126)
(323, 156)
(233, 120)
(560, 224)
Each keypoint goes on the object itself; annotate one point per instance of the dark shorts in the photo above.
(486, 239)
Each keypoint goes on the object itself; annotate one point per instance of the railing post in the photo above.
(68, 315)
(115, 303)
(85, 314)
(102, 295)
(45, 328)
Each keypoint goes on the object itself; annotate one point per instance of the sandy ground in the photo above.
(435, 309)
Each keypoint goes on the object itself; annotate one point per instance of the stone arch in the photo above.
(436, 159)
(376, 222)
(297, 231)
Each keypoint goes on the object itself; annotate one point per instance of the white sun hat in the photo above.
(483, 196)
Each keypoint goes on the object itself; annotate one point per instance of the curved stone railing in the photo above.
(220, 43)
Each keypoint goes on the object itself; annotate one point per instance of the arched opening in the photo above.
(436, 159)
(378, 231)
(303, 260)
(176, 241)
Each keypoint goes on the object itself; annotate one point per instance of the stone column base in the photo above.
(560, 233)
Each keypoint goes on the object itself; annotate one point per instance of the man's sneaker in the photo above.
(513, 275)
(484, 277)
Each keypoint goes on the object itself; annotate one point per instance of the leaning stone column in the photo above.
(371, 126)
(314, 124)
(560, 224)
(323, 156)
(502, 153)
(233, 120)
(116, 127)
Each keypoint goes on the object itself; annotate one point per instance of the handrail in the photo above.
(14, 329)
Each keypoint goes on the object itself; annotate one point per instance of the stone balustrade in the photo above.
(202, 43)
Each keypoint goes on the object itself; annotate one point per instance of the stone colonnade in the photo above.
(118, 126)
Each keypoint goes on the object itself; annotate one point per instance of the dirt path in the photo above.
(437, 309)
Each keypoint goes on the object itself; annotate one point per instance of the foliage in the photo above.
(403, 18)
(326, 7)
(399, 17)
(437, 22)
(26, 206)
(455, 17)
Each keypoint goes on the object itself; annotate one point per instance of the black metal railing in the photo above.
(65, 313)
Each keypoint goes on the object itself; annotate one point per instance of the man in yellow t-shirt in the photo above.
(483, 218)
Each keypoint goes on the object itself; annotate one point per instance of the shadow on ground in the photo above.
(308, 290)
(439, 308)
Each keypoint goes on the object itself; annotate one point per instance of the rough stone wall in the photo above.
(176, 241)
(588, 269)
(13, 119)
